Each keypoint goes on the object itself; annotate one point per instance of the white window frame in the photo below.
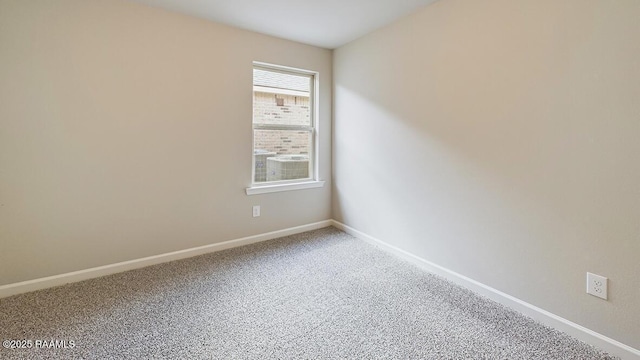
(294, 184)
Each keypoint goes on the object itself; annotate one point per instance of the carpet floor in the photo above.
(317, 295)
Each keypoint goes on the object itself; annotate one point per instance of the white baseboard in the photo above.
(75, 276)
(577, 331)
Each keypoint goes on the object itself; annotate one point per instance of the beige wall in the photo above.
(125, 131)
(500, 139)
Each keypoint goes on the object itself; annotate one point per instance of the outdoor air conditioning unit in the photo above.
(286, 167)
(260, 163)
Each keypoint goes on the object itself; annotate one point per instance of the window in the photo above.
(283, 126)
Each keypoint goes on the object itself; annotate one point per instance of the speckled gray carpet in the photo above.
(318, 295)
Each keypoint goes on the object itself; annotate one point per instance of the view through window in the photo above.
(283, 125)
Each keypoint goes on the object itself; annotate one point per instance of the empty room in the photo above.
(245, 179)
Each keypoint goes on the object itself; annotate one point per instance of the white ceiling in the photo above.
(323, 23)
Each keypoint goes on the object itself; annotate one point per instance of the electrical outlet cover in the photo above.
(597, 285)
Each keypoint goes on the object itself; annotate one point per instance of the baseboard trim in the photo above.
(75, 276)
(579, 332)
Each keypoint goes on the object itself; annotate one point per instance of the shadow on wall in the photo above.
(481, 143)
(518, 125)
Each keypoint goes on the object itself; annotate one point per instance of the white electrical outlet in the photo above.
(256, 210)
(597, 285)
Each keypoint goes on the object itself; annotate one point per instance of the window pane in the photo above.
(281, 98)
(283, 124)
(281, 154)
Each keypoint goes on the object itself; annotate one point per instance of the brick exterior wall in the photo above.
(293, 111)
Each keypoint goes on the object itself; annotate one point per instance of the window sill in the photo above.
(264, 189)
